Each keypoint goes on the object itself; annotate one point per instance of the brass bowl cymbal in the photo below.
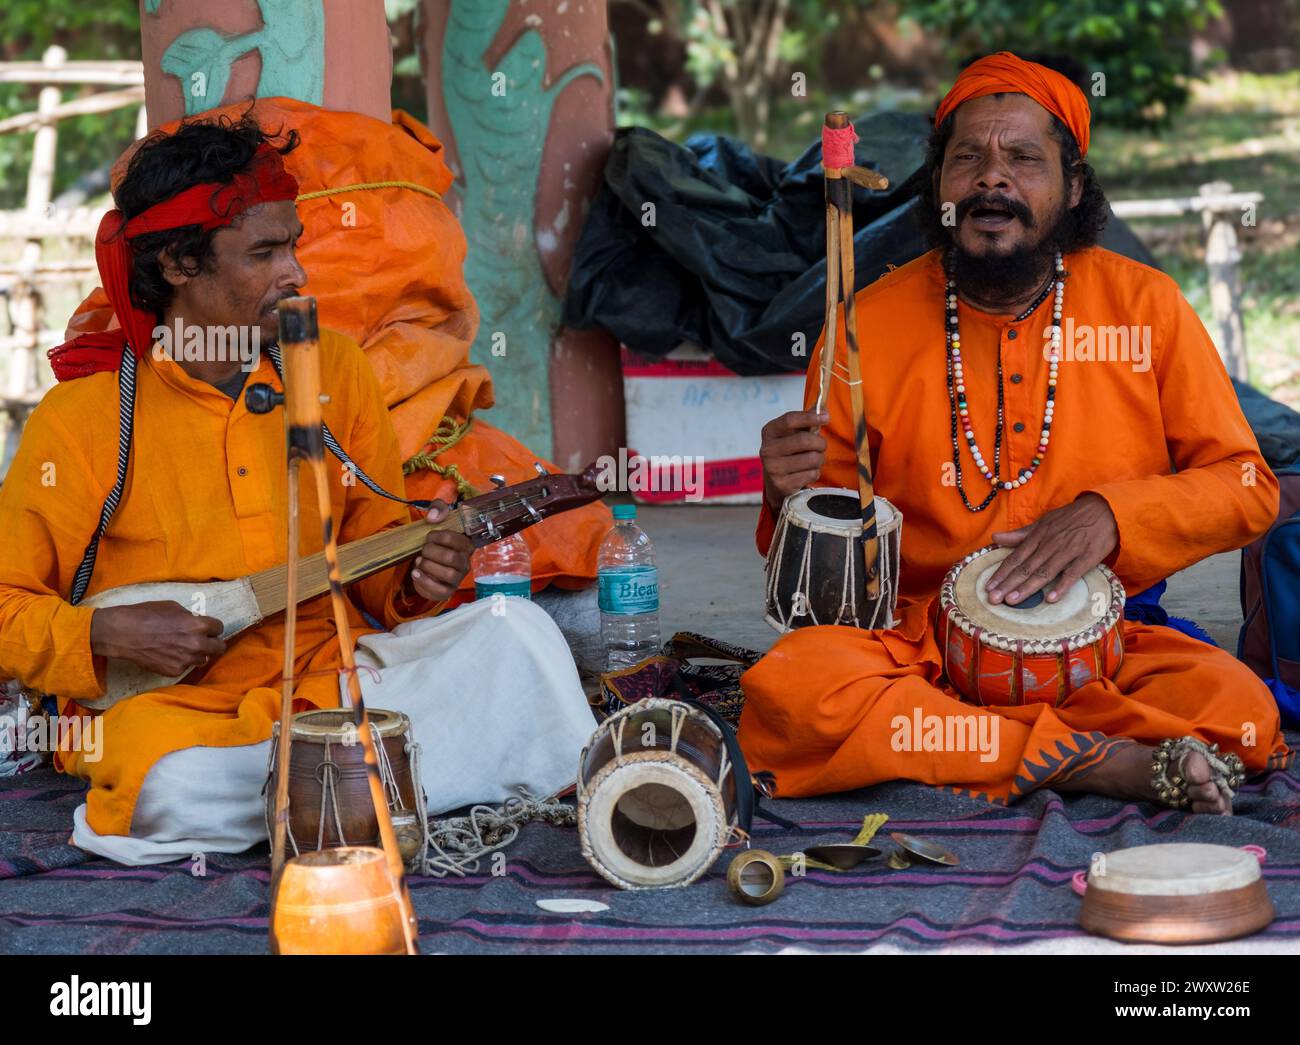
(841, 855)
(926, 850)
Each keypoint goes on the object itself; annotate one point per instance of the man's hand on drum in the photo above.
(792, 452)
(442, 563)
(1055, 551)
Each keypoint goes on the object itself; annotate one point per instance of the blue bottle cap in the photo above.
(624, 511)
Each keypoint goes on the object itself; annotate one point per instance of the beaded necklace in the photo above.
(960, 408)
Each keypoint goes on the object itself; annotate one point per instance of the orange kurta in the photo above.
(822, 706)
(205, 500)
(384, 257)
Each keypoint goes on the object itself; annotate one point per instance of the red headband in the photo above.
(209, 205)
(1004, 72)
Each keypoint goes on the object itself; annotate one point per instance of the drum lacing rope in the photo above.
(386, 775)
(774, 569)
(327, 773)
(618, 740)
(679, 720)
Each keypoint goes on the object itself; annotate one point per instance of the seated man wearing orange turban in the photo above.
(145, 464)
(980, 437)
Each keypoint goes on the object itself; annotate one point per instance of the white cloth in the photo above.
(494, 702)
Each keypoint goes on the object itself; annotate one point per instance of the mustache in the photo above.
(992, 199)
(282, 297)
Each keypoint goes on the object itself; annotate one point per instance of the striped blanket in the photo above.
(1012, 888)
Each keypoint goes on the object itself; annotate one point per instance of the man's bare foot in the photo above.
(1126, 773)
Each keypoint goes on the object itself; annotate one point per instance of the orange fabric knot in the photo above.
(1004, 72)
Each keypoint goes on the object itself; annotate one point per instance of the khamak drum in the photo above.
(1175, 893)
(657, 795)
(337, 901)
(1033, 651)
(815, 572)
(329, 787)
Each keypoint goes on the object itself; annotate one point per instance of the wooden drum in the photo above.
(1035, 650)
(656, 795)
(815, 571)
(329, 788)
(1175, 893)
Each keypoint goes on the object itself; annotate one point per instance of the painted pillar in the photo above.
(521, 94)
(199, 55)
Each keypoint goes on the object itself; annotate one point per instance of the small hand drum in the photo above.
(815, 568)
(1175, 893)
(329, 785)
(656, 795)
(1033, 651)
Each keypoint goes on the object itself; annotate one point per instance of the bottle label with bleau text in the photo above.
(502, 584)
(630, 591)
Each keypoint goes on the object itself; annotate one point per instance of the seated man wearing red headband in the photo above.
(990, 420)
(145, 464)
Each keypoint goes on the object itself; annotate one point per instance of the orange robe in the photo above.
(205, 500)
(823, 707)
(384, 262)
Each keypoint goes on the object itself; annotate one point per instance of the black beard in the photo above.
(995, 278)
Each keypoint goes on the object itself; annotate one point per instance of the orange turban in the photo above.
(1004, 72)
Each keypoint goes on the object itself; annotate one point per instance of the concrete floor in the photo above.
(711, 578)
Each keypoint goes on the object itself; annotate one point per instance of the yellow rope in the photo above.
(370, 185)
(448, 433)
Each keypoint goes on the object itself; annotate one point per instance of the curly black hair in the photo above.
(200, 150)
(1081, 226)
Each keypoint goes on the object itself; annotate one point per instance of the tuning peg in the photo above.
(497, 480)
(540, 469)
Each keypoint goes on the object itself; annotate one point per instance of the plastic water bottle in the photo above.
(504, 567)
(629, 592)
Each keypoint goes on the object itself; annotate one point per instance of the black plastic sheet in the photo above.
(732, 256)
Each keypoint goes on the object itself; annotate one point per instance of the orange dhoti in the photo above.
(833, 708)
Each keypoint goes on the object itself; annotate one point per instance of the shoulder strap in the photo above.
(332, 445)
(125, 424)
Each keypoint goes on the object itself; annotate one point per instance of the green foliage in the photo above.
(1140, 46)
(104, 31)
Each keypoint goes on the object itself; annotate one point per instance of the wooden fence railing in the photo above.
(24, 281)
(1221, 211)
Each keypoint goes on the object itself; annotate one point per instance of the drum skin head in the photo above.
(1174, 869)
(1086, 602)
(834, 509)
(999, 656)
(336, 724)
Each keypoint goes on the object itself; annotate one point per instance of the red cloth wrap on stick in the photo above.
(209, 205)
(837, 146)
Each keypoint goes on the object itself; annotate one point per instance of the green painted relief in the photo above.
(292, 45)
(500, 118)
